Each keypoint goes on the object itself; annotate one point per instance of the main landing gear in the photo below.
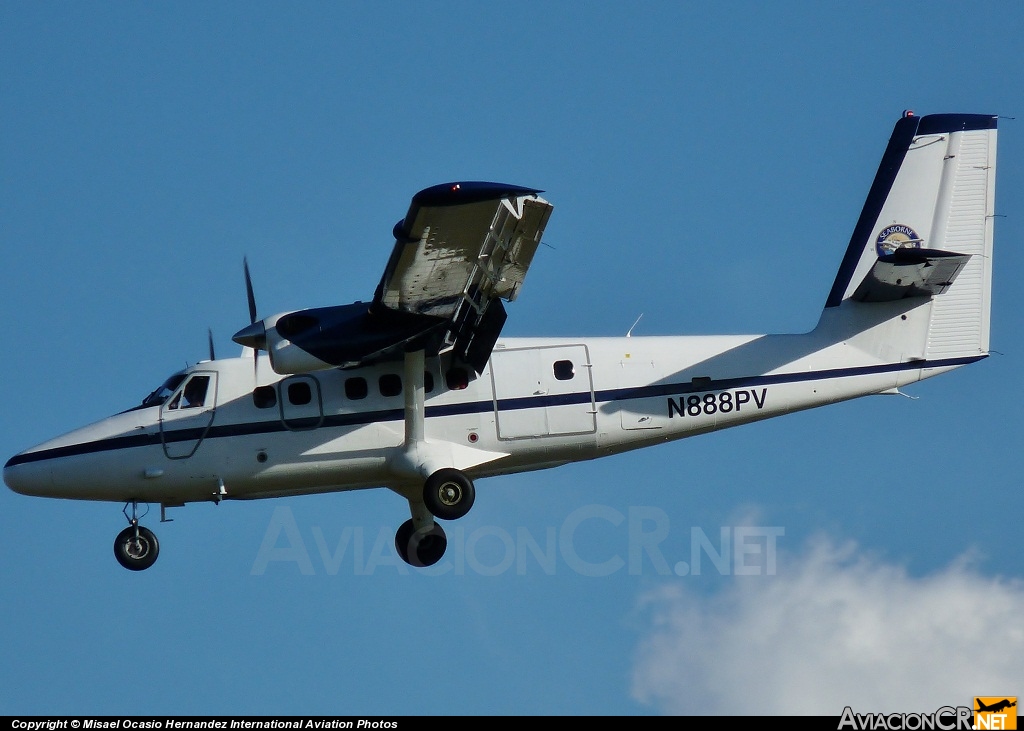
(420, 548)
(447, 494)
(135, 548)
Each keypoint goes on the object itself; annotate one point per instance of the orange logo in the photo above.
(995, 712)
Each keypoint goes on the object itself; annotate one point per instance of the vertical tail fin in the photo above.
(924, 238)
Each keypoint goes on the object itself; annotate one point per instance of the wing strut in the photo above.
(415, 362)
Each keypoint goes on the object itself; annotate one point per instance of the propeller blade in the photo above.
(209, 334)
(253, 336)
(248, 291)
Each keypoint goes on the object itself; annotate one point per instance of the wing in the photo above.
(460, 249)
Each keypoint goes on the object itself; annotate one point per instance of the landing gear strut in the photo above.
(135, 548)
(446, 494)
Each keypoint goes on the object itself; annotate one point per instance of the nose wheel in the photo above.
(136, 548)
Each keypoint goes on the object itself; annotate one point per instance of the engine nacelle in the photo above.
(285, 356)
(344, 336)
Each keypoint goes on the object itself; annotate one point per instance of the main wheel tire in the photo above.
(448, 494)
(136, 548)
(420, 548)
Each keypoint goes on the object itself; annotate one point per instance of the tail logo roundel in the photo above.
(896, 236)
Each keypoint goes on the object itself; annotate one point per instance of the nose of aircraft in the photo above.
(28, 477)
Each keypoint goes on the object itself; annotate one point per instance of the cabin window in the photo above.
(456, 378)
(299, 393)
(356, 388)
(390, 384)
(564, 370)
(264, 397)
(428, 381)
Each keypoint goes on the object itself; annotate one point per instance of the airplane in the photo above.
(995, 707)
(418, 392)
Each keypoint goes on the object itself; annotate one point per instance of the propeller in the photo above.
(254, 336)
(248, 290)
(209, 335)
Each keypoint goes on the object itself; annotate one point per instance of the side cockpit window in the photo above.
(193, 396)
(164, 392)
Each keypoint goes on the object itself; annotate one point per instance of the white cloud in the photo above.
(833, 628)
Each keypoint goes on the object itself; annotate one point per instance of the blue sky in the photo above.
(706, 162)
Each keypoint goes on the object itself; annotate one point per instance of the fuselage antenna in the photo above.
(629, 333)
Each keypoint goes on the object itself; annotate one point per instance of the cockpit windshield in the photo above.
(162, 393)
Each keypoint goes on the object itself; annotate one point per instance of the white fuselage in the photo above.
(539, 403)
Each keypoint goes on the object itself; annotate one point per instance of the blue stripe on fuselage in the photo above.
(477, 407)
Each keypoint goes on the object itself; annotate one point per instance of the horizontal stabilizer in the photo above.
(910, 272)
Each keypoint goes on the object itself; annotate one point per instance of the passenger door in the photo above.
(543, 391)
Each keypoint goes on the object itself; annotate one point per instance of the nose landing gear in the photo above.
(136, 548)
